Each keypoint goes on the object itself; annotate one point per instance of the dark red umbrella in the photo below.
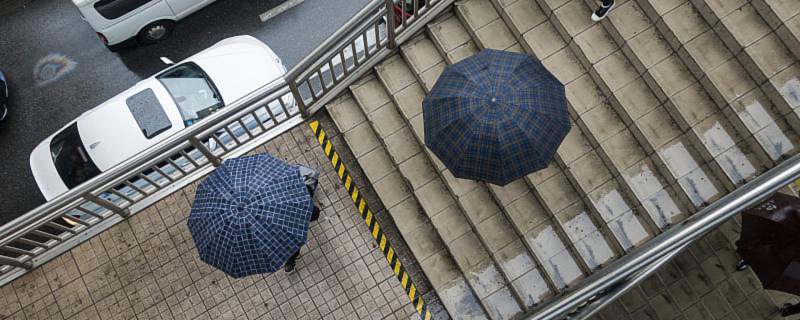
(769, 242)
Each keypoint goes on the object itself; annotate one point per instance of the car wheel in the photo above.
(155, 32)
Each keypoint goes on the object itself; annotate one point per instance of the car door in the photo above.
(183, 8)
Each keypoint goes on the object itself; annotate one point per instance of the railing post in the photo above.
(298, 99)
(107, 205)
(390, 25)
(12, 262)
(204, 150)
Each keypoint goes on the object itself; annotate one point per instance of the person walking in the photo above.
(310, 178)
(603, 10)
(290, 264)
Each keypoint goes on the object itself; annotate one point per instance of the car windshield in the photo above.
(193, 92)
(70, 157)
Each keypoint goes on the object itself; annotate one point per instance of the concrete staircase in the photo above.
(674, 104)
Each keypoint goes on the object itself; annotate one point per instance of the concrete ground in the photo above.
(147, 267)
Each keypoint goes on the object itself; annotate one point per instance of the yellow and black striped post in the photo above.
(371, 222)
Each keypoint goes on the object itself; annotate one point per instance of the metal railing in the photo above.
(611, 282)
(94, 206)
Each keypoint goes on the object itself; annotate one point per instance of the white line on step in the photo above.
(271, 13)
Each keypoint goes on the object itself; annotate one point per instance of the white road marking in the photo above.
(271, 13)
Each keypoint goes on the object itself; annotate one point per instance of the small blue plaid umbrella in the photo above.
(495, 117)
(250, 215)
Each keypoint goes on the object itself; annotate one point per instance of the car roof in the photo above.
(110, 132)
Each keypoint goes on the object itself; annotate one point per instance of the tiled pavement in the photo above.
(147, 267)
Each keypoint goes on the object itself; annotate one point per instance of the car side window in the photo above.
(112, 9)
(149, 113)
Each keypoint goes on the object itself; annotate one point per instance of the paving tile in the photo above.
(402, 145)
(146, 224)
(102, 281)
(31, 287)
(386, 120)
(118, 239)
(72, 298)
(376, 164)
(115, 306)
(61, 270)
(9, 301)
(42, 309)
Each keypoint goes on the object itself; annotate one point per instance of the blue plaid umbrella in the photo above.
(495, 117)
(250, 215)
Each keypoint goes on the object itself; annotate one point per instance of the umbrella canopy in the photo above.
(495, 117)
(768, 243)
(250, 215)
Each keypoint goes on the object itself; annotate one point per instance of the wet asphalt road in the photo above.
(45, 27)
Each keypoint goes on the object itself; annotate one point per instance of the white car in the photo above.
(119, 22)
(154, 109)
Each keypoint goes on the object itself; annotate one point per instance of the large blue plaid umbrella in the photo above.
(250, 215)
(495, 117)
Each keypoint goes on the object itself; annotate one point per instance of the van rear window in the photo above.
(112, 9)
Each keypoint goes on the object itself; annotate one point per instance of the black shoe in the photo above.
(289, 267)
(602, 12)
(741, 265)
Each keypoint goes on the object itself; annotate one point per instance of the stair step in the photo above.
(752, 110)
(583, 94)
(413, 223)
(477, 249)
(491, 224)
(523, 209)
(588, 241)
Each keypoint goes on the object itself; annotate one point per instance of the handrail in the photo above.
(86, 210)
(623, 271)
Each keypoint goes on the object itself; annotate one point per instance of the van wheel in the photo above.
(155, 32)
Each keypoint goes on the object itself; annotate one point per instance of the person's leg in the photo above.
(603, 10)
(315, 214)
(289, 266)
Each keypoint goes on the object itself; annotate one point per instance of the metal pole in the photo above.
(390, 25)
(106, 204)
(204, 150)
(298, 99)
(673, 239)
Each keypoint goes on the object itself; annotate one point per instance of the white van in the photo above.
(120, 22)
